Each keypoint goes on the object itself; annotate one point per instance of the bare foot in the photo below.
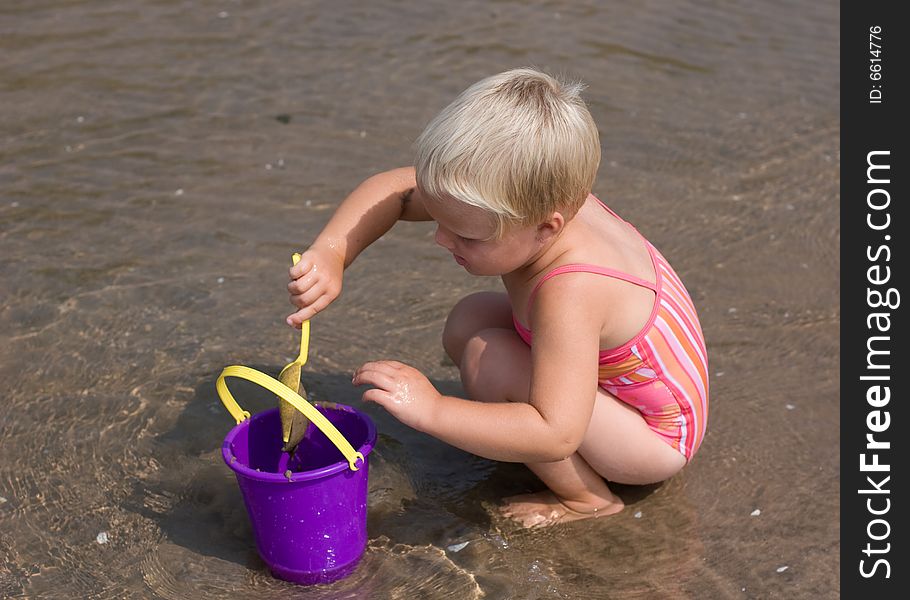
(545, 508)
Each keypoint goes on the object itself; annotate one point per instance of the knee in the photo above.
(462, 324)
(483, 361)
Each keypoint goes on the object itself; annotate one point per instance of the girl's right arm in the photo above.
(361, 219)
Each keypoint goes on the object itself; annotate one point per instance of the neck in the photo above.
(546, 256)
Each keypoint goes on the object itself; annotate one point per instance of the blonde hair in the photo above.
(520, 144)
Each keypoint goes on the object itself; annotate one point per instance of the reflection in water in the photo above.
(159, 160)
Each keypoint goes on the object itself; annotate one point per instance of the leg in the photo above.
(473, 313)
(618, 445)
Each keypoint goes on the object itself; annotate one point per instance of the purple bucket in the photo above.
(312, 528)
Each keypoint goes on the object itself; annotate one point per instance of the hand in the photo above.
(402, 390)
(315, 282)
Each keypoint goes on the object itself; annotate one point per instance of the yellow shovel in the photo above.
(293, 422)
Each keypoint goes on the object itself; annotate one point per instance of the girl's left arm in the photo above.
(547, 426)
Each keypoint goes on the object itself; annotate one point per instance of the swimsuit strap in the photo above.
(585, 268)
(610, 210)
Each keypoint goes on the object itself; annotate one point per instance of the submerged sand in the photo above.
(159, 163)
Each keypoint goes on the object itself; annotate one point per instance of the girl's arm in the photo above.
(362, 218)
(371, 210)
(547, 426)
(550, 424)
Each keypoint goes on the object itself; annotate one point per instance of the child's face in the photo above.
(468, 232)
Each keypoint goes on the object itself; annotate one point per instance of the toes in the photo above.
(542, 520)
(531, 516)
(534, 521)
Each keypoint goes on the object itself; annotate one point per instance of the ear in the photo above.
(551, 227)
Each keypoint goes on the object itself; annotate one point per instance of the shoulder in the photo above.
(575, 299)
(413, 206)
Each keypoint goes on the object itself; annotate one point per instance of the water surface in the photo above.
(161, 160)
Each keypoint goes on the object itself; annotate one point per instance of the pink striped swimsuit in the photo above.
(662, 371)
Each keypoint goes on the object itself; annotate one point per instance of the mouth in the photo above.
(459, 260)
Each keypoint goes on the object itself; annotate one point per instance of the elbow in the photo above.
(557, 438)
(560, 448)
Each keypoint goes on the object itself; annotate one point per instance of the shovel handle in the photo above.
(304, 329)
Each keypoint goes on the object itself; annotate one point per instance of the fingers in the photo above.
(307, 280)
(390, 368)
(305, 314)
(309, 309)
(306, 291)
(303, 266)
(309, 297)
(380, 397)
(310, 293)
(380, 374)
(383, 375)
(383, 364)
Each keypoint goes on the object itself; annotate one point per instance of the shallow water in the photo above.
(161, 160)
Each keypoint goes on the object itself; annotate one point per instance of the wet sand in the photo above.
(160, 162)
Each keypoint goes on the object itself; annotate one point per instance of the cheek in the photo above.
(513, 253)
(442, 238)
(497, 256)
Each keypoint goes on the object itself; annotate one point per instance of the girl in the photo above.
(612, 384)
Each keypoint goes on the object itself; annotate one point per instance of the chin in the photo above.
(484, 271)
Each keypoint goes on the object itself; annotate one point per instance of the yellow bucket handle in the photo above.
(290, 396)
